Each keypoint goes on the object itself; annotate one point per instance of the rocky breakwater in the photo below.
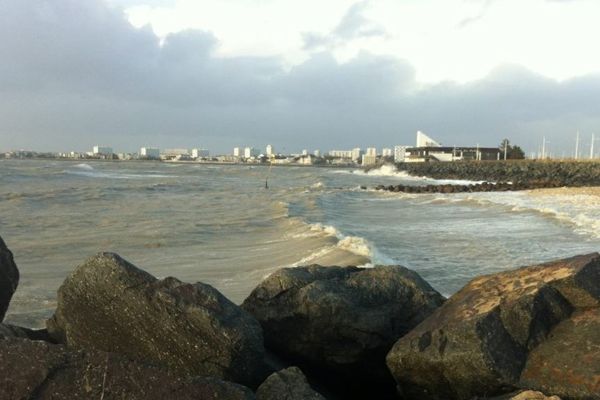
(118, 332)
(498, 176)
(9, 278)
(535, 327)
(341, 322)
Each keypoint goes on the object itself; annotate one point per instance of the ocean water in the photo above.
(218, 224)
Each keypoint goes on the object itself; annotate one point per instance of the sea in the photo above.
(220, 225)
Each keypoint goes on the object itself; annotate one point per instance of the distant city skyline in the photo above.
(215, 74)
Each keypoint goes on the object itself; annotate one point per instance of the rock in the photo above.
(9, 278)
(11, 331)
(287, 384)
(40, 370)
(340, 320)
(477, 343)
(108, 304)
(526, 395)
(568, 362)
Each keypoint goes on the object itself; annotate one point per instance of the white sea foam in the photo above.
(84, 166)
(391, 171)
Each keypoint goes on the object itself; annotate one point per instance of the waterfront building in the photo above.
(369, 159)
(200, 153)
(371, 151)
(304, 152)
(341, 153)
(251, 152)
(102, 151)
(237, 152)
(387, 152)
(150, 152)
(400, 153)
(356, 154)
(317, 153)
(428, 149)
(270, 151)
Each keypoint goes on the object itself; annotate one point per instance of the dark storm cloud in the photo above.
(77, 73)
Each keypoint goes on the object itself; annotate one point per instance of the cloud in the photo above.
(353, 25)
(80, 74)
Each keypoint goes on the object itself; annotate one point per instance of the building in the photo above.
(371, 151)
(341, 153)
(356, 154)
(237, 152)
(387, 152)
(270, 151)
(317, 153)
(429, 150)
(102, 151)
(304, 152)
(369, 159)
(400, 153)
(200, 153)
(149, 152)
(251, 152)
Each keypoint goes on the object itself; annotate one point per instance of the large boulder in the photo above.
(568, 362)
(108, 304)
(9, 278)
(526, 395)
(341, 320)
(477, 343)
(40, 370)
(287, 384)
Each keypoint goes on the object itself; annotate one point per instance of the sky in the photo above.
(308, 74)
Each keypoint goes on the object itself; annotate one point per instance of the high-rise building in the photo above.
(400, 153)
(236, 152)
(250, 152)
(102, 150)
(371, 151)
(270, 151)
(149, 152)
(356, 154)
(317, 153)
(387, 152)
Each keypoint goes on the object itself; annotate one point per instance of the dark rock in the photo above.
(477, 343)
(39, 370)
(341, 320)
(9, 278)
(287, 384)
(11, 331)
(108, 304)
(568, 362)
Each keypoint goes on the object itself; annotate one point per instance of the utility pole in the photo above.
(544, 148)
(577, 146)
(505, 146)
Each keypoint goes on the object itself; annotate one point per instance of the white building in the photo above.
(250, 152)
(369, 159)
(304, 152)
(200, 153)
(102, 150)
(400, 153)
(341, 153)
(387, 152)
(237, 152)
(356, 154)
(371, 151)
(425, 141)
(317, 153)
(149, 152)
(270, 151)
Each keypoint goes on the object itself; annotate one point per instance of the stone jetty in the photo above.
(310, 333)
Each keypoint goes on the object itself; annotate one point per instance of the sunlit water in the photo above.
(218, 224)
